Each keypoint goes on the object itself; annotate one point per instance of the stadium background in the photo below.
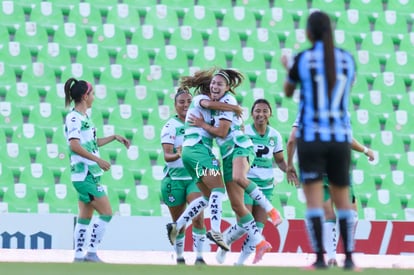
(134, 53)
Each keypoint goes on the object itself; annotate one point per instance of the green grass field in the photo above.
(122, 269)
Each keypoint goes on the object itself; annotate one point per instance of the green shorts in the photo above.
(268, 192)
(200, 161)
(89, 189)
(228, 161)
(174, 192)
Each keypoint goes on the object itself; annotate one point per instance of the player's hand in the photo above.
(104, 164)
(292, 177)
(123, 140)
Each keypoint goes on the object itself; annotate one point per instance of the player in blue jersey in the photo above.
(330, 233)
(325, 75)
(86, 169)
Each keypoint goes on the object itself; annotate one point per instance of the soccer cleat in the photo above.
(92, 257)
(275, 217)
(263, 247)
(349, 265)
(200, 261)
(332, 262)
(181, 260)
(217, 238)
(317, 265)
(172, 232)
(221, 255)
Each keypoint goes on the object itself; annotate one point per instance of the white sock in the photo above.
(233, 233)
(198, 243)
(215, 204)
(248, 249)
(179, 245)
(330, 237)
(261, 199)
(192, 210)
(97, 233)
(80, 235)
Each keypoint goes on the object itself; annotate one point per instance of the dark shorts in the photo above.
(317, 159)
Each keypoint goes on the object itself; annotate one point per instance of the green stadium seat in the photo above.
(278, 21)
(31, 137)
(48, 15)
(407, 43)
(172, 59)
(390, 84)
(39, 77)
(149, 38)
(124, 17)
(140, 95)
(331, 6)
(240, 20)
(257, 7)
(201, 19)
(109, 37)
(225, 39)
(11, 15)
(78, 71)
(392, 25)
(16, 55)
(401, 63)
(345, 40)
(86, 16)
(38, 177)
(264, 41)
(296, 41)
(271, 81)
(188, 39)
(33, 35)
(104, 6)
(179, 6)
(219, 7)
(46, 116)
(382, 44)
(7, 80)
(71, 36)
(158, 80)
(163, 18)
(208, 57)
(368, 64)
(120, 179)
(6, 176)
(105, 99)
(142, 6)
(66, 6)
(133, 58)
(117, 79)
(143, 202)
(354, 22)
(369, 8)
(11, 117)
(55, 57)
(249, 61)
(386, 205)
(21, 199)
(125, 117)
(62, 199)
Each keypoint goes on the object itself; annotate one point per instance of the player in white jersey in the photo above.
(87, 168)
(237, 152)
(201, 163)
(268, 148)
(178, 187)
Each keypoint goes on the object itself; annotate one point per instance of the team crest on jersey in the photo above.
(171, 198)
(271, 142)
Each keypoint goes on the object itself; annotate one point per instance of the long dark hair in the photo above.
(319, 28)
(75, 89)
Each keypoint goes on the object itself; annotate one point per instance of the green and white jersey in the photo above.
(79, 126)
(194, 135)
(236, 136)
(261, 172)
(173, 133)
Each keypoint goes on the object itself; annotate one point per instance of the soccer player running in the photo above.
(237, 152)
(177, 186)
(200, 161)
(325, 74)
(87, 168)
(268, 147)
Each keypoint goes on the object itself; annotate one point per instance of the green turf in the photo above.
(123, 269)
